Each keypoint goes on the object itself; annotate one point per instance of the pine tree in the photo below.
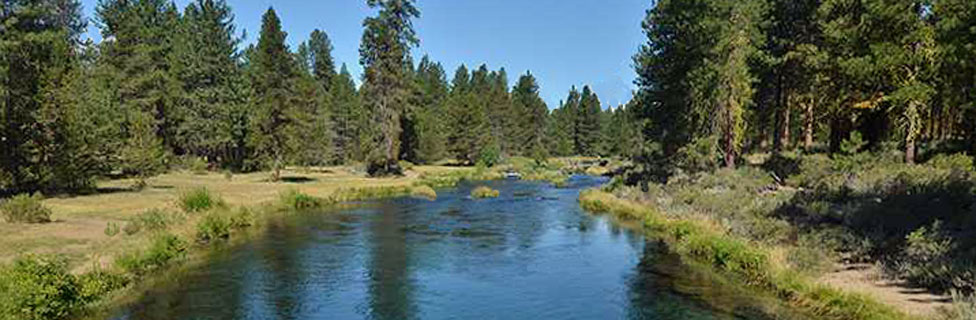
(431, 109)
(39, 148)
(206, 66)
(588, 134)
(348, 118)
(141, 54)
(273, 79)
(316, 55)
(529, 115)
(470, 128)
(384, 54)
(732, 88)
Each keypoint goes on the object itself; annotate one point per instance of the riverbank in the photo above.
(760, 265)
(119, 237)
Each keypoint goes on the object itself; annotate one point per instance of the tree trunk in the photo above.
(808, 126)
(729, 151)
(910, 150)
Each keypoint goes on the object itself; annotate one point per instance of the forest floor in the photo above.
(78, 230)
(867, 279)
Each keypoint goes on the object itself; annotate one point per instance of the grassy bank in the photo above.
(760, 265)
(100, 246)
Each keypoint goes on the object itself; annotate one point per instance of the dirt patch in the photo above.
(867, 279)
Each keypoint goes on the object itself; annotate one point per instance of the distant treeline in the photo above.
(167, 85)
(729, 77)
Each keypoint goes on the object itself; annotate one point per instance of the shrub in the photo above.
(406, 165)
(25, 208)
(196, 165)
(957, 161)
(700, 155)
(164, 250)
(111, 229)
(489, 156)
(213, 227)
(484, 192)
(296, 200)
(96, 284)
(132, 227)
(39, 287)
(925, 259)
(242, 218)
(200, 199)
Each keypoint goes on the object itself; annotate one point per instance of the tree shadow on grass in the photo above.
(297, 179)
(874, 222)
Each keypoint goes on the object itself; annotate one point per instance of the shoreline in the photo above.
(700, 242)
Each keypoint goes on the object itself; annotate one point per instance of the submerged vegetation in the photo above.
(482, 192)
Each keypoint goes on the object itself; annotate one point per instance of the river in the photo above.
(532, 253)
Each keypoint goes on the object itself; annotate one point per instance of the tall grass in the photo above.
(198, 200)
(24, 208)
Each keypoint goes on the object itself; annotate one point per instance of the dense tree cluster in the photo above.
(167, 85)
(728, 77)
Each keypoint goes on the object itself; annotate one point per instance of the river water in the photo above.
(530, 254)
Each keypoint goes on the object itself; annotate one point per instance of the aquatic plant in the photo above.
(482, 192)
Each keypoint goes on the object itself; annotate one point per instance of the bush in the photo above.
(111, 229)
(484, 192)
(196, 165)
(25, 208)
(95, 285)
(296, 200)
(39, 287)
(214, 226)
(489, 156)
(164, 250)
(242, 218)
(200, 199)
(154, 220)
(957, 161)
(132, 227)
(700, 155)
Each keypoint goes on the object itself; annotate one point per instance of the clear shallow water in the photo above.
(530, 254)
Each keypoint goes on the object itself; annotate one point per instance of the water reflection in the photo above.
(530, 254)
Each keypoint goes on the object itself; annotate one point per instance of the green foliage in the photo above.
(164, 250)
(384, 51)
(958, 161)
(25, 208)
(40, 287)
(97, 284)
(482, 192)
(274, 118)
(296, 200)
(489, 156)
(112, 229)
(199, 200)
(214, 226)
(153, 220)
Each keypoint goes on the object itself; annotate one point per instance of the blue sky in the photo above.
(562, 42)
